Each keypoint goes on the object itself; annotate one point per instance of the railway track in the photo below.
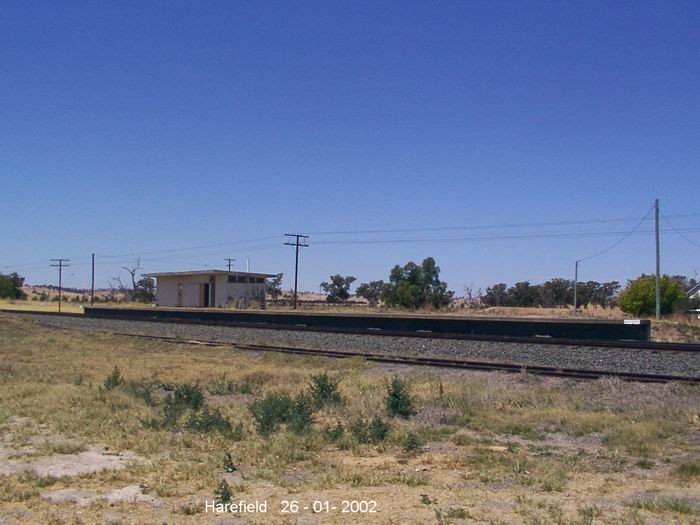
(656, 346)
(486, 366)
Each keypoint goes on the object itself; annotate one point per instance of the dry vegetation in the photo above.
(81, 442)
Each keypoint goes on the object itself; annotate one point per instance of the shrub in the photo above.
(688, 470)
(335, 433)
(270, 411)
(398, 400)
(228, 462)
(113, 380)
(206, 421)
(143, 391)
(300, 417)
(639, 298)
(223, 492)
(171, 412)
(188, 396)
(324, 390)
(369, 433)
(413, 442)
(378, 430)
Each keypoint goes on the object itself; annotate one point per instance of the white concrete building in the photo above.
(210, 288)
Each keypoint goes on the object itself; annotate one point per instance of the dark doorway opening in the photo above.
(205, 295)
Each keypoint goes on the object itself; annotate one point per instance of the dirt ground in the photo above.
(81, 444)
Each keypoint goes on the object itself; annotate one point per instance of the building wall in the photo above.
(234, 294)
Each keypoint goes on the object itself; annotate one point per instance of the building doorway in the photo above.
(204, 295)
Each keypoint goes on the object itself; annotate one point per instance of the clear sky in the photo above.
(132, 128)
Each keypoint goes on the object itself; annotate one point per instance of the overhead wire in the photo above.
(620, 241)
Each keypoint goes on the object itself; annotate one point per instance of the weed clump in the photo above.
(334, 434)
(370, 433)
(228, 462)
(413, 442)
(270, 411)
(206, 420)
(188, 396)
(113, 380)
(324, 390)
(398, 399)
(277, 408)
(301, 416)
(223, 492)
(688, 470)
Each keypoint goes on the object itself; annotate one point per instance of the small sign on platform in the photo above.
(633, 321)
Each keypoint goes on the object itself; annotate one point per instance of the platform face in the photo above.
(521, 327)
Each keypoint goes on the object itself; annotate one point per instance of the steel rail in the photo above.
(660, 346)
(487, 366)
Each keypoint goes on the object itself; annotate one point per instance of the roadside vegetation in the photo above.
(212, 423)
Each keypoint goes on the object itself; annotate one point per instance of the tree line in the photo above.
(410, 286)
(555, 293)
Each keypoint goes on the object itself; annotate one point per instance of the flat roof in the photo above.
(207, 272)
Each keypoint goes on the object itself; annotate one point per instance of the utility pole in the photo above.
(92, 286)
(297, 244)
(230, 261)
(60, 264)
(658, 260)
(576, 286)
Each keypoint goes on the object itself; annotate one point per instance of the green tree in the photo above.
(11, 286)
(145, 290)
(639, 298)
(372, 291)
(338, 289)
(496, 295)
(557, 292)
(414, 286)
(523, 294)
(273, 287)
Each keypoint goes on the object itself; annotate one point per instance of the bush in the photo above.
(378, 430)
(335, 433)
(189, 396)
(228, 462)
(223, 492)
(143, 391)
(369, 433)
(324, 390)
(270, 411)
(300, 417)
(206, 421)
(113, 380)
(398, 400)
(413, 442)
(639, 298)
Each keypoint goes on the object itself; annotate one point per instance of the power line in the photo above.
(201, 247)
(230, 261)
(679, 232)
(620, 241)
(495, 226)
(534, 236)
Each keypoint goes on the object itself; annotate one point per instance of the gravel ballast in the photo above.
(581, 357)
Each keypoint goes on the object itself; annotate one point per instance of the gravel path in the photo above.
(612, 359)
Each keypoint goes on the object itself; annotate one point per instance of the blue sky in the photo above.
(132, 128)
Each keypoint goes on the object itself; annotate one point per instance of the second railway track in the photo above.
(432, 362)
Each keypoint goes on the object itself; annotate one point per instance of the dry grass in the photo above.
(499, 449)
